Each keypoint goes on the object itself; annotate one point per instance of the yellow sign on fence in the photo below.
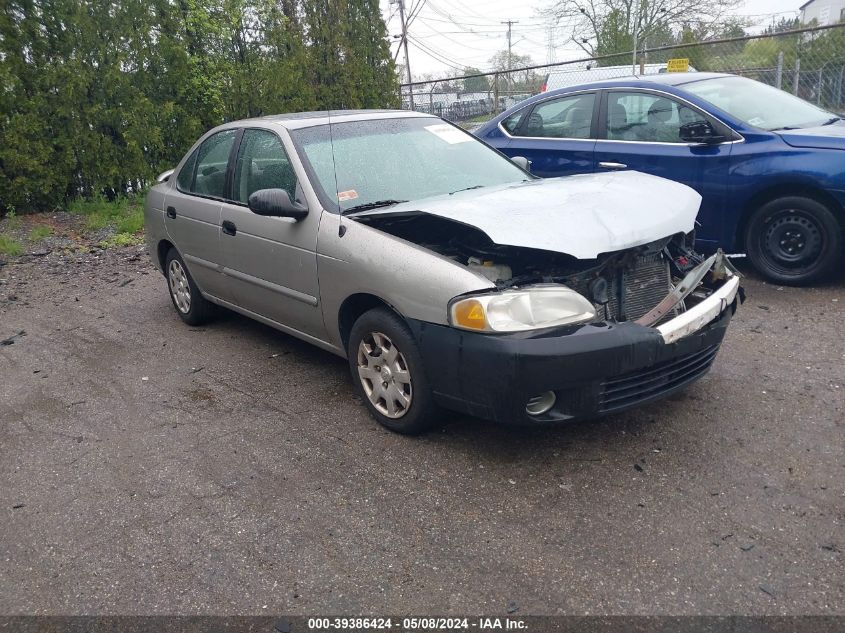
(680, 65)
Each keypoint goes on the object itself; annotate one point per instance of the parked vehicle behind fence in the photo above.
(768, 165)
(573, 75)
(443, 272)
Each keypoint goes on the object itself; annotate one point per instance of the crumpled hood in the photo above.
(583, 216)
(822, 137)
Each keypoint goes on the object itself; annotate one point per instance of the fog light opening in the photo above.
(538, 405)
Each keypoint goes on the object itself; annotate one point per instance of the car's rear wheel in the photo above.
(388, 373)
(793, 240)
(191, 306)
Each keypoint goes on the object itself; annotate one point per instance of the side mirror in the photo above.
(521, 161)
(699, 132)
(165, 175)
(276, 203)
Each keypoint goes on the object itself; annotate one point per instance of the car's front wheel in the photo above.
(793, 240)
(387, 370)
(191, 306)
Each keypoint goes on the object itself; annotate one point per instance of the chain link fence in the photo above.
(808, 62)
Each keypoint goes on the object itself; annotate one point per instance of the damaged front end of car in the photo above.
(561, 338)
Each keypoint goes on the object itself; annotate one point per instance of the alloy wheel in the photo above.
(179, 288)
(384, 375)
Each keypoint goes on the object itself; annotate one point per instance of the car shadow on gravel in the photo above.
(747, 271)
(472, 435)
(456, 432)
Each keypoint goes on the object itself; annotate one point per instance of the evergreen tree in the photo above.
(99, 95)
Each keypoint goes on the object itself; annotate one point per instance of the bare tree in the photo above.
(603, 26)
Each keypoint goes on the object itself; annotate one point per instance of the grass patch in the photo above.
(119, 240)
(40, 232)
(10, 246)
(13, 222)
(124, 214)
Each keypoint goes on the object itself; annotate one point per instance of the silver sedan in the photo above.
(445, 273)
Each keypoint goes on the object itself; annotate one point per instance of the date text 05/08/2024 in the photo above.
(417, 624)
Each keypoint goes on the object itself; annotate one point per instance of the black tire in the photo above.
(197, 310)
(421, 413)
(793, 241)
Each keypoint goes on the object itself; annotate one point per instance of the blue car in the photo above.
(769, 166)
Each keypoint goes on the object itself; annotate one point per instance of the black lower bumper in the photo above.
(592, 369)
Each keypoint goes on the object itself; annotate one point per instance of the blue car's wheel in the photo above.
(793, 240)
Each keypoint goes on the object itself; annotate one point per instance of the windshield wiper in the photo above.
(372, 205)
(451, 193)
(832, 121)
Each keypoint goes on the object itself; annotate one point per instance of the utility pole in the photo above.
(401, 4)
(510, 24)
(635, 29)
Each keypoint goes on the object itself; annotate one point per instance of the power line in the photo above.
(455, 65)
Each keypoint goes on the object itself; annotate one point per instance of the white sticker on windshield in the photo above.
(756, 121)
(448, 133)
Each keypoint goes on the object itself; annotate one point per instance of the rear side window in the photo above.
(566, 117)
(212, 159)
(185, 181)
(262, 164)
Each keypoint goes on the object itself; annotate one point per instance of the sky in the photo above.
(448, 35)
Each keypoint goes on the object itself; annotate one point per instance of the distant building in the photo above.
(824, 12)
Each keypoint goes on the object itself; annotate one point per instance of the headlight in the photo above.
(518, 310)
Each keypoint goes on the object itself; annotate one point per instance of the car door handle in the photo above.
(613, 165)
(171, 213)
(229, 228)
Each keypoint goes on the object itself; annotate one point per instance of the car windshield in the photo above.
(378, 162)
(758, 104)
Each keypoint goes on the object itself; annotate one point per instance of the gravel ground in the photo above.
(147, 467)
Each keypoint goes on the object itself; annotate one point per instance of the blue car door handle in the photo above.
(613, 165)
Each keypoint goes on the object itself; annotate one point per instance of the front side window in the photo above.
(364, 162)
(262, 163)
(212, 160)
(512, 122)
(567, 117)
(645, 117)
(185, 181)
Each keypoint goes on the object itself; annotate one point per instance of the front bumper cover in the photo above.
(593, 369)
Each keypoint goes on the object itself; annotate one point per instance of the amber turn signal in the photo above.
(469, 314)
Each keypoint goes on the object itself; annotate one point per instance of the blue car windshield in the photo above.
(757, 104)
(382, 161)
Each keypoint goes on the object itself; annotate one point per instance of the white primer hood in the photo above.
(583, 215)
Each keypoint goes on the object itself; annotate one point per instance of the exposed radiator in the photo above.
(645, 286)
(636, 290)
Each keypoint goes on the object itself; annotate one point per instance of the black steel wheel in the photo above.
(793, 240)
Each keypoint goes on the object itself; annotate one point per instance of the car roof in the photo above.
(641, 81)
(679, 79)
(297, 120)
